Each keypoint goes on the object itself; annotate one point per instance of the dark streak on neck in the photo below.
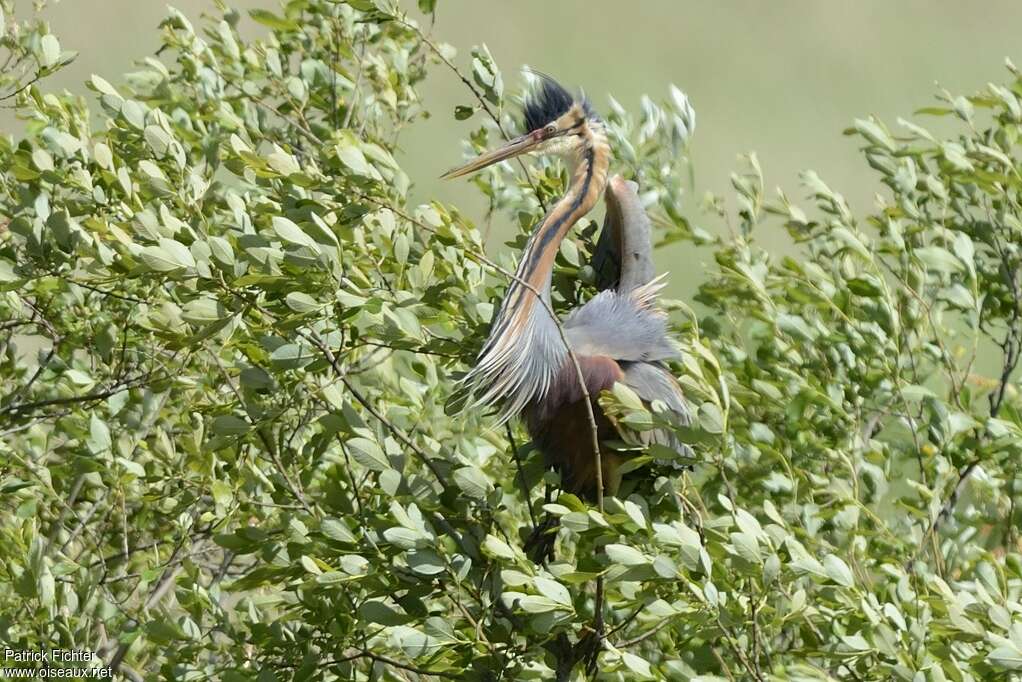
(553, 230)
(545, 233)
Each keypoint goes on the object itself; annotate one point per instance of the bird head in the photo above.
(555, 122)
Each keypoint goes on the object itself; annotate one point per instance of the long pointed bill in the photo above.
(519, 145)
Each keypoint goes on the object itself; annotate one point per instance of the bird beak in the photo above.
(517, 146)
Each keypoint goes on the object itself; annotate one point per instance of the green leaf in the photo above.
(13, 485)
(637, 665)
(150, 169)
(230, 425)
(354, 565)
(103, 156)
(293, 234)
(496, 547)
(627, 397)
(552, 590)
(625, 555)
(169, 256)
(158, 139)
(301, 303)
(710, 418)
(404, 538)
(368, 454)
(413, 643)
(1006, 657)
(203, 311)
(223, 494)
(873, 132)
(352, 157)
(377, 611)
(283, 163)
(42, 160)
(267, 18)
(49, 48)
(221, 250)
(473, 482)
(310, 565)
(292, 356)
(99, 435)
(361, 5)
(938, 259)
(425, 562)
(530, 603)
(47, 587)
(337, 530)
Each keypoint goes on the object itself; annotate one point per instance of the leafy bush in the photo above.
(228, 343)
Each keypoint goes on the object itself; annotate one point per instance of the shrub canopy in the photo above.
(228, 341)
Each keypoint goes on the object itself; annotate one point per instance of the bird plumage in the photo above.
(549, 102)
(524, 350)
(618, 336)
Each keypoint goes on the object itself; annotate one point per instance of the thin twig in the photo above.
(644, 636)
(365, 653)
(104, 292)
(84, 520)
(163, 585)
(357, 89)
(26, 86)
(623, 624)
(294, 124)
(296, 491)
(521, 473)
(91, 397)
(475, 93)
(419, 452)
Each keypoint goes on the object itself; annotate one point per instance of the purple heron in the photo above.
(617, 336)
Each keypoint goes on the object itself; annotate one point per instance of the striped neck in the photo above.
(589, 179)
(524, 350)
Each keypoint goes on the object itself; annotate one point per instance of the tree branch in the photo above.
(386, 660)
(1011, 347)
(475, 93)
(364, 402)
(126, 385)
(521, 473)
(587, 399)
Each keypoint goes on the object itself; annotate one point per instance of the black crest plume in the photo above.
(546, 103)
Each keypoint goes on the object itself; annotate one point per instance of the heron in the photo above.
(620, 335)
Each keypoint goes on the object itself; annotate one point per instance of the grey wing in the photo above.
(651, 382)
(620, 326)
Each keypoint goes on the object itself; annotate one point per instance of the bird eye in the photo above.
(550, 129)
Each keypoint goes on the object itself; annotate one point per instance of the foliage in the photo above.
(228, 344)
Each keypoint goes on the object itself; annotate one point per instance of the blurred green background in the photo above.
(781, 78)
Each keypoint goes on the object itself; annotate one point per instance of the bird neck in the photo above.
(588, 181)
(524, 351)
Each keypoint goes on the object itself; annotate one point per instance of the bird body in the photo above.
(617, 336)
